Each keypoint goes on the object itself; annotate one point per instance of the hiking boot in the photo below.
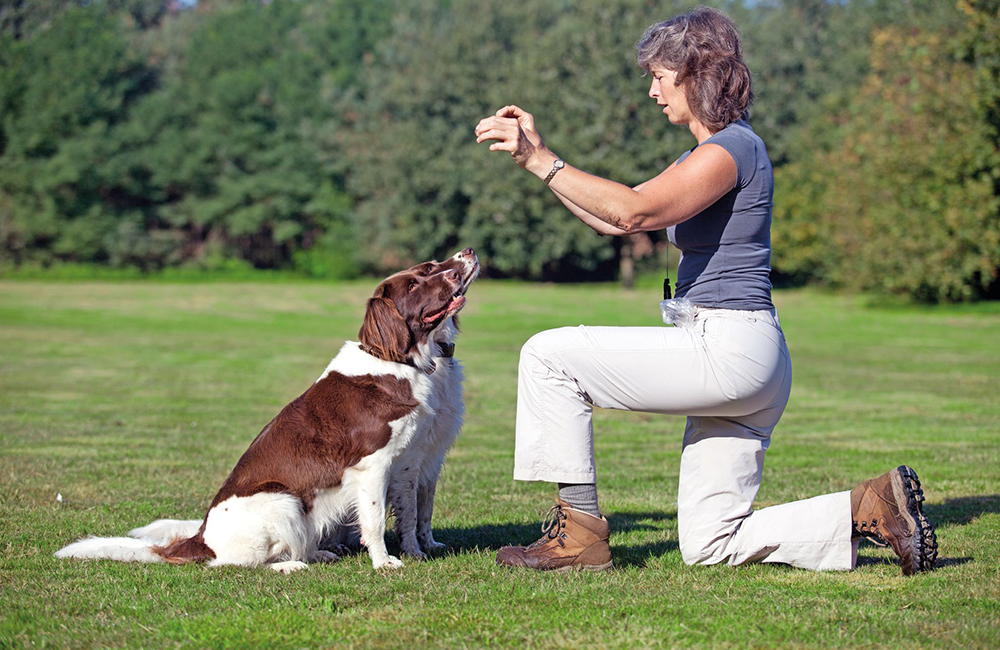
(887, 511)
(572, 540)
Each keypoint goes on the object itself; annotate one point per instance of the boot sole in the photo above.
(583, 567)
(909, 495)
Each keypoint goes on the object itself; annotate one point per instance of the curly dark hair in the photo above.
(703, 47)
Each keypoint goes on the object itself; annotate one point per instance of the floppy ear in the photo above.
(385, 332)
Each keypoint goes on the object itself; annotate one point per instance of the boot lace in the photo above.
(870, 531)
(551, 525)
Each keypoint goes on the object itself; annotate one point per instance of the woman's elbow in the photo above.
(635, 222)
(646, 220)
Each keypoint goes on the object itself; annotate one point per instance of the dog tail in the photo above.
(165, 540)
(164, 531)
(184, 550)
(122, 549)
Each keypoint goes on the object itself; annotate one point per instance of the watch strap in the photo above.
(556, 166)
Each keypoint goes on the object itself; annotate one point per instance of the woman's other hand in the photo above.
(514, 131)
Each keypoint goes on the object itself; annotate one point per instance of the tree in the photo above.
(425, 187)
(905, 204)
(64, 91)
(195, 141)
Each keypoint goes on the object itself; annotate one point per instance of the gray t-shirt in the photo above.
(726, 248)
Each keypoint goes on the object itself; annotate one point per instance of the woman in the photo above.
(727, 369)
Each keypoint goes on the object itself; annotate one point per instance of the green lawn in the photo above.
(133, 400)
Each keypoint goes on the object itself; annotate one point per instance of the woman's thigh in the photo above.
(712, 368)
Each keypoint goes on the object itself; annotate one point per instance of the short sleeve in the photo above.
(739, 141)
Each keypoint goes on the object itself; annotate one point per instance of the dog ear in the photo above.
(384, 331)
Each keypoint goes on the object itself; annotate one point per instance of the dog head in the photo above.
(410, 308)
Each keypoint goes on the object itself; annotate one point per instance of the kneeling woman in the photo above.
(727, 369)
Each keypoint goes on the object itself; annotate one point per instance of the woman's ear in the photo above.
(385, 332)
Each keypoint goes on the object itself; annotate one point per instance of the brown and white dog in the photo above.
(383, 413)
(414, 475)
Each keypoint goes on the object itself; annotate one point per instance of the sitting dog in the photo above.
(414, 475)
(327, 456)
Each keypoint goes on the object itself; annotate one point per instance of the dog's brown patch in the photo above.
(310, 443)
(182, 551)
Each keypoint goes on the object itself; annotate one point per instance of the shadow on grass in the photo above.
(892, 560)
(962, 510)
(491, 537)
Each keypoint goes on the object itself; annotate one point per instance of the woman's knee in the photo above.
(702, 549)
(544, 345)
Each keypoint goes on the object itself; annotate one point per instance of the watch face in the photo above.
(558, 164)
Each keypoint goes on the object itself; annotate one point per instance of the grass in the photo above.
(133, 400)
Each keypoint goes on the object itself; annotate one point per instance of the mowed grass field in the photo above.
(133, 401)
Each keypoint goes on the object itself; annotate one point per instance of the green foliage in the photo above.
(182, 144)
(323, 135)
(425, 187)
(905, 202)
(63, 94)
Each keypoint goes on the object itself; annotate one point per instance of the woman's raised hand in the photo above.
(514, 131)
(525, 120)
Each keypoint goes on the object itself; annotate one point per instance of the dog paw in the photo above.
(415, 553)
(433, 547)
(390, 562)
(288, 567)
(326, 557)
(339, 549)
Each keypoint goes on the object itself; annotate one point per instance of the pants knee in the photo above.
(694, 553)
(706, 546)
(543, 346)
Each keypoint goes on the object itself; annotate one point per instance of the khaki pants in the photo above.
(730, 373)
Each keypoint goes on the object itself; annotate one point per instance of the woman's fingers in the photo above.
(494, 122)
(507, 127)
(525, 119)
(498, 133)
(512, 111)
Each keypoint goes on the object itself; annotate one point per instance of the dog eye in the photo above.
(412, 287)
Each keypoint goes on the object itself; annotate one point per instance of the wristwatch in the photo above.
(556, 166)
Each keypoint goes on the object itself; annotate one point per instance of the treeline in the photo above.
(334, 137)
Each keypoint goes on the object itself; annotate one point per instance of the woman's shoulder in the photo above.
(739, 131)
(744, 145)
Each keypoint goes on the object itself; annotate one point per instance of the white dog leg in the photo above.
(371, 518)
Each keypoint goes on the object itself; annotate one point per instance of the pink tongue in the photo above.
(454, 304)
(433, 317)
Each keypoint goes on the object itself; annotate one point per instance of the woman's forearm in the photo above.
(673, 196)
(619, 209)
(599, 226)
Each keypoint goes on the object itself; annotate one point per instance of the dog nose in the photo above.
(468, 252)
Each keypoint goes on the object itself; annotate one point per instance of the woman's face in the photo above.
(668, 95)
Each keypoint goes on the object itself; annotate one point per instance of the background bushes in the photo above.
(335, 136)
